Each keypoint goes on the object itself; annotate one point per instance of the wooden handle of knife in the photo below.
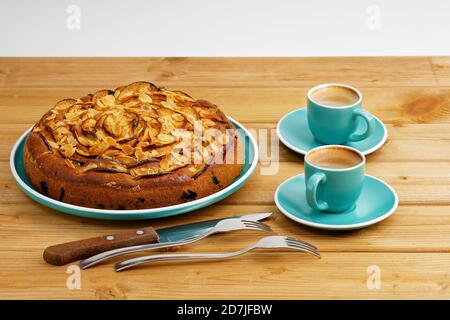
(64, 253)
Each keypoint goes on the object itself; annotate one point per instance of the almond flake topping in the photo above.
(135, 129)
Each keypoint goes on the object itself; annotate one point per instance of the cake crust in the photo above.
(72, 156)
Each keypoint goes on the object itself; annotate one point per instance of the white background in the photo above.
(224, 28)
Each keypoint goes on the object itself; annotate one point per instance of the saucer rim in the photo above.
(303, 152)
(343, 226)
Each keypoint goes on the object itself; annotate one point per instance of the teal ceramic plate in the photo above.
(377, 202)
(294, 132)
(251, 160)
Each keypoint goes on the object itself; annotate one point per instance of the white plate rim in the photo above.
(303, 152)
(343, 226)
(181, 206)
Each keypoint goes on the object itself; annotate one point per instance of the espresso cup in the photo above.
(334, 176)
(332, 110)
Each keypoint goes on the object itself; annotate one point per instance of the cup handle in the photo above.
(370, 121)
(311, 191)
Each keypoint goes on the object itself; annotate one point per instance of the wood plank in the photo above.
(393, 105)
(288, 275)
(441, 69)
(421, 142)
(429, 226)
(216, 72)
(414, 182)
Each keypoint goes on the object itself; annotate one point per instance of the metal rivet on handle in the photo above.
(140, 232)
(110, 238)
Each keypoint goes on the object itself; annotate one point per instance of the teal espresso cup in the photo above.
(332, 110)
(334, 176)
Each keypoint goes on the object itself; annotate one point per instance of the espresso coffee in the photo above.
(335, 96)
(334, 158)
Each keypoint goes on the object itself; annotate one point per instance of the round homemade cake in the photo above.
(139, 146)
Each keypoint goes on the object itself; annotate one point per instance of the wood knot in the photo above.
(109, 293)
(422, 109)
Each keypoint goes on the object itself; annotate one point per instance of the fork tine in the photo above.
(302, 245)
(299, 244)
(260, 228)
(259, 225)
(305, 249)
(300, 241)
(252, 222)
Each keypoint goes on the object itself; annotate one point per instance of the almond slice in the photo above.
(86, 141)
(128, 149)
(108, 100)
(145, 98)
(98, 148)
(117, 129)
(110, 141)
(69, 163)
(208, 123)
(65, 104)
(88, 125)
(125, 159)
(51, 117)
(68, 150)
(89, 166)
(82, 152)
(177, 117)
(144, 171)
(166, 138)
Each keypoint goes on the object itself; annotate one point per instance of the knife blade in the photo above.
(64, 253)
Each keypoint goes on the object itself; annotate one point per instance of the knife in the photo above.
(64, 253)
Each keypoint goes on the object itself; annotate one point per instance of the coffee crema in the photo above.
(334, 158)
(335, 96)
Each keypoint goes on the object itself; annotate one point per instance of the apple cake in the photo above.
(138, 146)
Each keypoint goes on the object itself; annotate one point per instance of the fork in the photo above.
(222, 226)
(270, 242)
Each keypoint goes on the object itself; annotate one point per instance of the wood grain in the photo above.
(414, 182)
(398, 106)
(260, 275)
(219, 73)
(421, 223)
(411, 248)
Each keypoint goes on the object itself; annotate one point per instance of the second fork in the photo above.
(270, 242)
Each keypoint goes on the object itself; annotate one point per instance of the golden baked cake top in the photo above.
(139, 129)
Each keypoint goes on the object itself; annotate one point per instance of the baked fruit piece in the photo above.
(139, 146)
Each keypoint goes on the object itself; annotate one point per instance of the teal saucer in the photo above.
(377, 202)
(250, 163)
(294, 132)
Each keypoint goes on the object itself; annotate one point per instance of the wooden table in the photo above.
(411, 248)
